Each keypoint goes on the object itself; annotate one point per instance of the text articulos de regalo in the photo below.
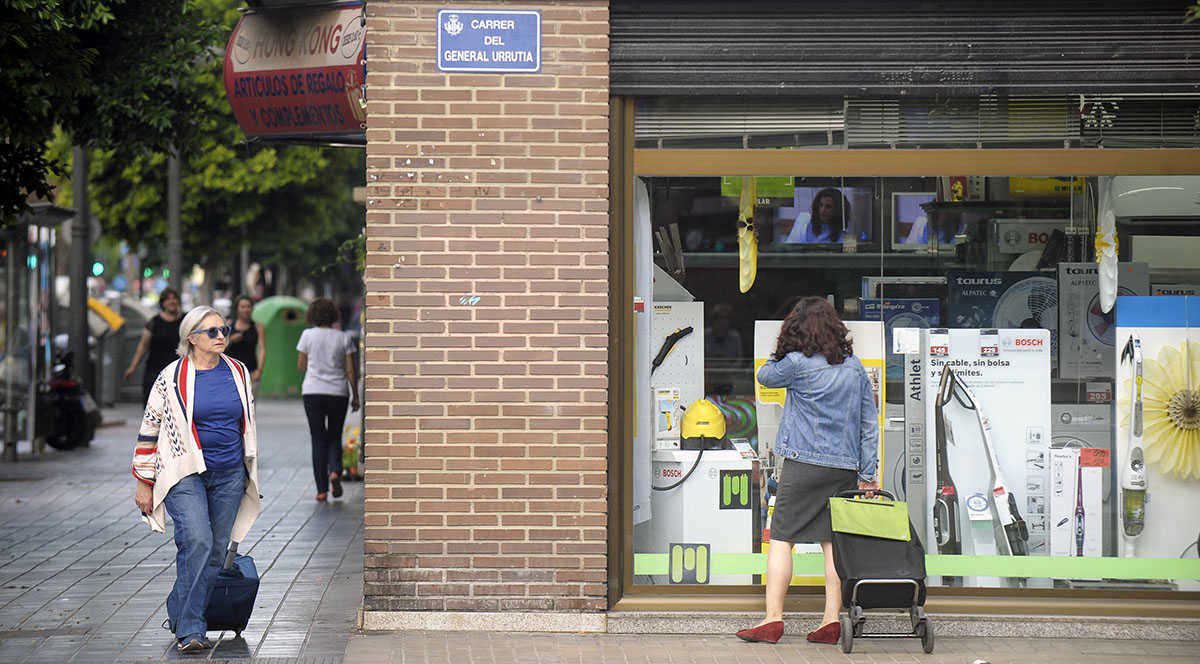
(277, 101)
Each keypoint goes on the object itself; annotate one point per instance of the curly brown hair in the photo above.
(813, 327)
(322, 312)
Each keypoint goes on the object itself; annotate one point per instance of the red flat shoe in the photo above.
(830, 633)
(768, 633)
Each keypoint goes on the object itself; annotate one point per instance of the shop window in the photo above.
(981, 315)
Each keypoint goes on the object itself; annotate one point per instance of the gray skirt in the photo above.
(801, 511)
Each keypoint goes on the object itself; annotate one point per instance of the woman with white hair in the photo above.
(197, 460)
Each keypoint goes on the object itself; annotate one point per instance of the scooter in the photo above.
(67, 413)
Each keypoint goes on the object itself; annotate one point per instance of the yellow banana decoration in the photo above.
(747, 238)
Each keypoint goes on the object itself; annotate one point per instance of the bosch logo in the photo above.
(668, 473)
(1028, 342)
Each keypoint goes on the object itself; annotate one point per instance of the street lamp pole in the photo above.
(78, 269)
(174, 221)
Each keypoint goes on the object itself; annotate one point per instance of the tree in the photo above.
(291, 203)
(104, 71)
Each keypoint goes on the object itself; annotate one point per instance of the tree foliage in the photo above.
(291, 203)
(104, 71)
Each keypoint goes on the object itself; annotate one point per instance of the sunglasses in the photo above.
(212, 332)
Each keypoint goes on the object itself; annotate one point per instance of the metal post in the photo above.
(174, 221)
(10, 331)
(240, 277)
(79, 268)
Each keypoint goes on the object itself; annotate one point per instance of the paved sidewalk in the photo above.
(83, 580)
(509, 648)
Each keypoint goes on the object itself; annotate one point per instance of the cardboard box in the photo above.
(1094, 464)
(1076, 525)
(1063, 465)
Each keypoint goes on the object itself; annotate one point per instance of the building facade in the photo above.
(555, 271)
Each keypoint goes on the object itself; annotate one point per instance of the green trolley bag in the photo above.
(881, 563)
(873, 539)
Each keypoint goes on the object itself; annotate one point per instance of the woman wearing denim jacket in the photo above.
(829, 440)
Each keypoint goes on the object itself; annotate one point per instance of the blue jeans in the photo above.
(203, 508)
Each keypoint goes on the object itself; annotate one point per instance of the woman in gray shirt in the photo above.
(326, 360)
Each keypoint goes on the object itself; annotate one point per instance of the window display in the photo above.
(1035, 405)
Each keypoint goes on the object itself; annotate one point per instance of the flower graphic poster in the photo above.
(1168, 328)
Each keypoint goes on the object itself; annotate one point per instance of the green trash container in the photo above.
(282, 318)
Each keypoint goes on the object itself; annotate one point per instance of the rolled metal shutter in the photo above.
(878, 48)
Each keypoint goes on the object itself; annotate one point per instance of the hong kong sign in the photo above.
(489, 41)
(299, 73)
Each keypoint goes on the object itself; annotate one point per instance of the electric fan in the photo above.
(1030, 303)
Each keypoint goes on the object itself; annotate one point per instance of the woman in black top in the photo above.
(159, 339)
(246, 341)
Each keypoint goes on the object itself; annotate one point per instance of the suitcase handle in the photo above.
(230, 555)
(857, 493)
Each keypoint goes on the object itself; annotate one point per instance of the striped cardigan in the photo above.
(168, 447)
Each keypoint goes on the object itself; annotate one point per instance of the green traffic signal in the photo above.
(97, 269)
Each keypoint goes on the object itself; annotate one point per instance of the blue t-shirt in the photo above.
(218, 417)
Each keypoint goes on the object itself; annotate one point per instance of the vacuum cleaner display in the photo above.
(667, 345)
(977, 425)
(1081, 457)
(1133, 471)
(677, 368)
(1010, 528)
(703, 428)
(1158, 427)
(945, 502)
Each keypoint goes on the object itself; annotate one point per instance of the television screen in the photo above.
(910, 223)
(838, 211)
(911, 227)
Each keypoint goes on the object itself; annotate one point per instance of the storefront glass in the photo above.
(981, 314)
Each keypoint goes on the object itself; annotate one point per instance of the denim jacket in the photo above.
(829, 416)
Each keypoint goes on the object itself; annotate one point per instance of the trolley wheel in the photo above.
(847, 639)
(925, 631)
(857, 618)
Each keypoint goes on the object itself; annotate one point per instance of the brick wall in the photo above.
(487, 319)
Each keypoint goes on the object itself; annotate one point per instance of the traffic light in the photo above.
(97, 269)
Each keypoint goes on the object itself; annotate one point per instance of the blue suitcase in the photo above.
(233, 594)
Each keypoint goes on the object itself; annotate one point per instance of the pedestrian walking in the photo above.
(196, 459)
(159, 339)
(326, 360)
(247, 342)
(829, 441)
